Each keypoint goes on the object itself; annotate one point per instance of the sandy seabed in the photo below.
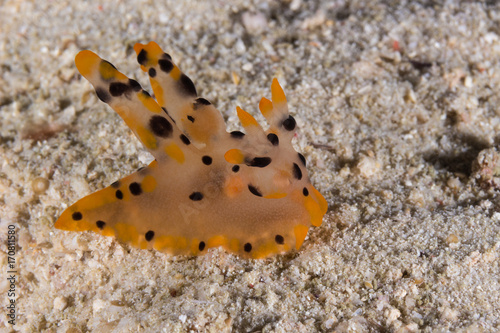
(398, 107)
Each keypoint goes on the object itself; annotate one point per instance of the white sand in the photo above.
(394, 106)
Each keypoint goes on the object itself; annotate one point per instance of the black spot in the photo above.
(103, 95)
(100, 224)
(165, 65)
(196, 196)
(190, 118)
(201, 246)
(302, 158)
(149, 235)
(145, 93)
(279, 239)
(77, 216)
(207, 160)
(116, 184)
(160, 126)
(134, 85)
(305, 191)
(297, 173)
(186, 86)
(135, 188)
(119, 194)
(247, 247)
(185, 139)
(166, 56)
(237, 134)
(259, 162)
(142, 57)
(254, 190)
(117, 89)
(236, 168)
(152, 72)
(273, 138)
(289, 123)
(200, 101)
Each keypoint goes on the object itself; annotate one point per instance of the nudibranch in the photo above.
(248, 192)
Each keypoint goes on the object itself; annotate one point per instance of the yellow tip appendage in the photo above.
(246, 118)
(278, 95)
(266, 107)
(86, 61)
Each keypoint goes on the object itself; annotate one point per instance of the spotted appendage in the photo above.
(247, 192)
